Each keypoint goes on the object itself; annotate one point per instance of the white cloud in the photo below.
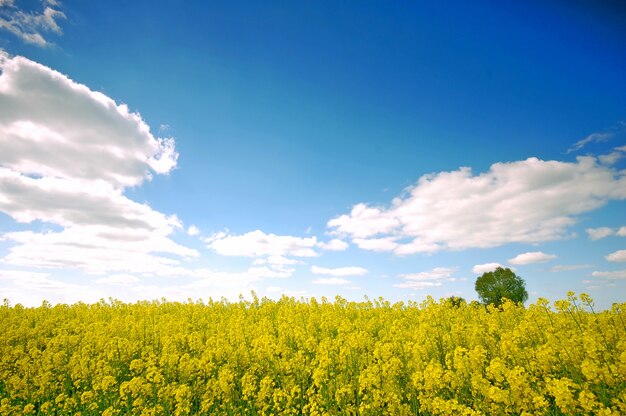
(364, 221)
(603, 232)
(340, 271)
(193, 230)
(277, 290)
(531, 257)
(30, 26)
(331, 281)
(376, 244)
(485, 268)
(617, 274)
(51, 126)
(31, 288)
(618, 256)
(599, 233)
(592, 138)
(569, 267)
(417, 284)
(427, 279)
(259, 244)
(68, 154)
(118, 280)
(528, 201)
(334, 245)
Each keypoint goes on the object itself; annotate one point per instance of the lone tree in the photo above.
(493, 287)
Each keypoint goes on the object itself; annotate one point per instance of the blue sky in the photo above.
(202, 150)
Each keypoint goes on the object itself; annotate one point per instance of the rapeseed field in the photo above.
(313, 357)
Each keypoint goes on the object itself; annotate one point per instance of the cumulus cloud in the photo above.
(428, 279)
(340, 271)
(259, 244)
(485, 268)
(53, 127)
(618, 256)
(531, 257)
(69, 154)
(193, 230)
(617, 274)
(31, 26)
(331, 281)
(528, 201)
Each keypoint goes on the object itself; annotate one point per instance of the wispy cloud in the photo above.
(31, 26)
(617, 274)
(592, 138)
(340, 271)
(569, 267)
(334, 281)
(603, 232)
(428, 279)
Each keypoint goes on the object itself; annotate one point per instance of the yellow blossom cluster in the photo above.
(313, 357)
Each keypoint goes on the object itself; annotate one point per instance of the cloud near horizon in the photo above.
(340, 271)
(528, 201)
(428, 279)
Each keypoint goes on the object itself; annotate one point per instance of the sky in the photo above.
(196, 150)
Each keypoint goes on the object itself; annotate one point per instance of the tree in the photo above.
(455, 301)
(493, 287)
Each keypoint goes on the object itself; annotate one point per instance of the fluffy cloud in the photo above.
(30, 26)
(340, 271)
(485, 268)
(427, 279)
(618, 256)
(68, 155)
(531, 257)
(259, 244)
(330, 281)
(51, 126)
(527, 201)
(617, 274)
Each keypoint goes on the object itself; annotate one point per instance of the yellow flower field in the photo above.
(313, 357)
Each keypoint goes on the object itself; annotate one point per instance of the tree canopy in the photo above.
(493, 287)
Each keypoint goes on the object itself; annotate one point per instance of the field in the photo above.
(292, 357)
